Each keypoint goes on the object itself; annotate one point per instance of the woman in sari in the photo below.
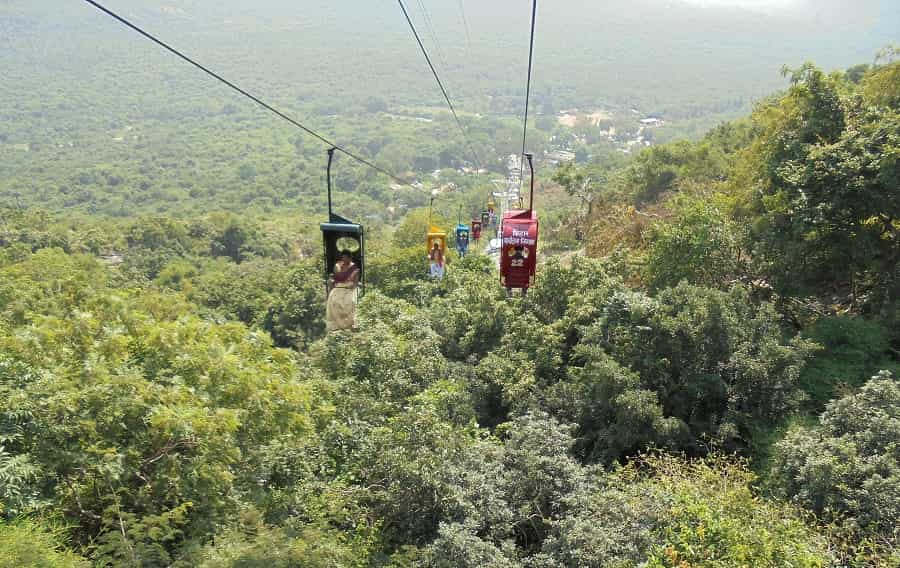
(340, 309)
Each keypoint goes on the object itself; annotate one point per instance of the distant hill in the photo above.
(82, 96)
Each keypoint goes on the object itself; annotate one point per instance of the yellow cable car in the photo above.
(437, 251)
(437, 237)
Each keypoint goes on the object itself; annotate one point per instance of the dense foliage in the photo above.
(848, 468)
(454, 429)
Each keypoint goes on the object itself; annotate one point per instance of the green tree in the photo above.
(826, 173)
(714, 359)
(701, 246)
(847, 469)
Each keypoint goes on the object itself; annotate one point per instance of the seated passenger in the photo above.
(340, 309)
(462, 244)
(437, 261)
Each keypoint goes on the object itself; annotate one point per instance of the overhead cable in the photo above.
(440, 84)
(465, 21)
(243, 92)
(527, 92)
(434, 38)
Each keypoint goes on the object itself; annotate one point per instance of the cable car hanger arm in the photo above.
(530, 158)
(528, 88)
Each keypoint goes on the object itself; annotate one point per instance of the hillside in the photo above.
(95, 119)
(726, 355)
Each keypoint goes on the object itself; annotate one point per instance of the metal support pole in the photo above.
(328, 175)
(531, 165)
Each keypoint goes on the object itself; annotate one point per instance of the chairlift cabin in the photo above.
(437, 252)
(462, 239)
(518, 249)
(476, 229)
(518, 244)
(436, 236)
(340, 235)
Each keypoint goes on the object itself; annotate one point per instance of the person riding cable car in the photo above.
(436, 256)
(340, 308)
(436, 241)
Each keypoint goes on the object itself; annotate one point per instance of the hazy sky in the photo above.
(655, 53)
(760, 4)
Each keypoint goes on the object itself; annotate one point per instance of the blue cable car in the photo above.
(462, 239)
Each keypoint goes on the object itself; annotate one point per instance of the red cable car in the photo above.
(518, 245)
(518, 249)
(476, 229)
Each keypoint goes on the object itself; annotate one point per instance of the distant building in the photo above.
(651, 121)
(561, 156)
(112, 259)
(566, 119)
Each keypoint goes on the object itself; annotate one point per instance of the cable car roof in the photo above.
(347, 227)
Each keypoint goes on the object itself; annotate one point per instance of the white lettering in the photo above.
(518, 241)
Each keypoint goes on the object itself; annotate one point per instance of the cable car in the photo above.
(340, 235)
(435, 237)
(462, 239)
(492, 213)
(437, 251)
(518, 245)
(476, 229)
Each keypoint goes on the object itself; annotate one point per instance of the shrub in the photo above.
(25, 544)
(667, 512)
(847, 469)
